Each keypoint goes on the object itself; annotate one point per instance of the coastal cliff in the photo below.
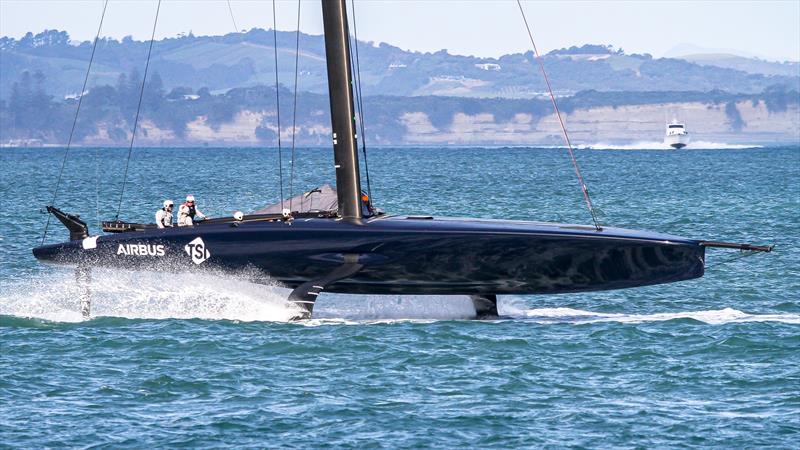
(587, 126)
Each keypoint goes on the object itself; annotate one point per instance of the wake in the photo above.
(145, 295)
(54, 297)
(660, 145)
(711, 317)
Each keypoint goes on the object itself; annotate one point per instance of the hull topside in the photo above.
(406, 255)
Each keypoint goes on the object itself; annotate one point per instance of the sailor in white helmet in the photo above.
(164, 215)
(188, 211)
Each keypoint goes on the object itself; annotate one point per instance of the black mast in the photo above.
(340, 88)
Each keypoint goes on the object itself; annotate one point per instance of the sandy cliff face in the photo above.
(240, 131)
(705, 122)
(749, 123)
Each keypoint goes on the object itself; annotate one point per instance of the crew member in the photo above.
(188, 211)
(164, 215)
(367, 208)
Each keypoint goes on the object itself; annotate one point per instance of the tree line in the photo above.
(32, 113)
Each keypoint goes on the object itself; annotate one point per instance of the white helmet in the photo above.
(190, 198)
(286, 213)
(168, 203)
(238, 215)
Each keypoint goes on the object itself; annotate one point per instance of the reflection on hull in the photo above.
(400, 255)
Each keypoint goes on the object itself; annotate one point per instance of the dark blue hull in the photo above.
(404, 255)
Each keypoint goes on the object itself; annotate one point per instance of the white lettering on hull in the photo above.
(141, 249)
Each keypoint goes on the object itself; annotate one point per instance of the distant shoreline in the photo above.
(612, 146)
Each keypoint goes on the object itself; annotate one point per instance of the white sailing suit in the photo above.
(186, 215)
(163, 218)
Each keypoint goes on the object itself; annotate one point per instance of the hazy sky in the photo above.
(768, 29)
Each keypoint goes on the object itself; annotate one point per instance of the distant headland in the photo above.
(219, 90)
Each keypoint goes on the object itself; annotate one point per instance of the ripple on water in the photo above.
(208, 360)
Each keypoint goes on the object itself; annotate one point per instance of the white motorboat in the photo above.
(677, 136)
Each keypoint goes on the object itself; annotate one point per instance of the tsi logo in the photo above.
(197, 250)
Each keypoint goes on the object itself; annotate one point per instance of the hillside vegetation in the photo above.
(182, 115)
(246, 59)
(221, 90)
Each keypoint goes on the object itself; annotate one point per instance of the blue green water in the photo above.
(208, 360)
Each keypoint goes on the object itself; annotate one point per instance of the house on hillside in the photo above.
(489, 66)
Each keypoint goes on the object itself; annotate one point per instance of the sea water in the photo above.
(209, 359)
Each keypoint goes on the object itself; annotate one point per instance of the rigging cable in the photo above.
(742, 254)
(97, 188)
(277, 99)
(561, 122)
(75, 120)
(294, 110)
(230, 10)
(359, 100)
(138, 110)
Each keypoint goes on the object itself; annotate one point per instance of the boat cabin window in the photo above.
(676, 126)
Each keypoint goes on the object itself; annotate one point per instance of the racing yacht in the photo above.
(344, 244)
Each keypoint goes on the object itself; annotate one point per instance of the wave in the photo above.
(146, 295)
(660, 145)
(53, 297)
(712, 317)
(378, 310)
